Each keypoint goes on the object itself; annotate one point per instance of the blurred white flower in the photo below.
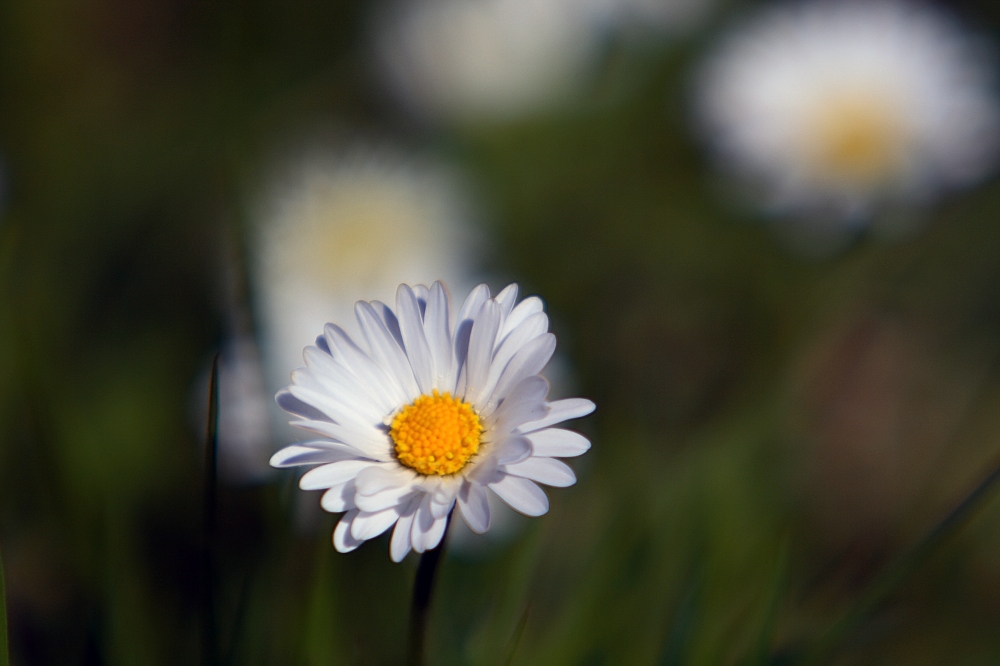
(349, 226)
(838, 107)
(472, 60)
(244, 437)
(244, 433)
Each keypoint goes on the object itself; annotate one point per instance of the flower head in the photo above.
(844, 105)
(429, 411)
(485, 60)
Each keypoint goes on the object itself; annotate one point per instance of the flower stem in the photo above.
(423, 587)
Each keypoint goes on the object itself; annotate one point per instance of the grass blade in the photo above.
(887, 583)
(210, 642)
(4, 647)
(515, 639)
(763, 646)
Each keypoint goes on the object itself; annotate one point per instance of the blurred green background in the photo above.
(772, 431)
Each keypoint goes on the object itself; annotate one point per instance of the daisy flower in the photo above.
(846, 105)
(492, 60)
(320, 242)
(429, 411)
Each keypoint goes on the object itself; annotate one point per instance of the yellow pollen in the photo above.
(859, 138)
(436, 434)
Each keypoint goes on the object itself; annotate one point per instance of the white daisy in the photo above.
(475, 60)
(429, 411)
(844, 105)
(340, 225)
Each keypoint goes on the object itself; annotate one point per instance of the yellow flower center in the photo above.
(436, 434)
(859, 138)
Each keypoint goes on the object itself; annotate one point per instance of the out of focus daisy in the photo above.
(476, 60)
(349, 225)
(841, 106)
(244, 403)
(429, 411)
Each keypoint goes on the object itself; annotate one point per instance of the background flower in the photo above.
(486, 60)
(349, 226)
(846, 105)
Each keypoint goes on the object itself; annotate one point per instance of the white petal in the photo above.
(525, 402)
(432, 537)
(368, 441)
(427, 530)
(297, 454)
(514, 338)
(422, 293)
(512, 450)
(535, 326)
(385, 350)
(390, 497)
(348, 389)
(507, 298)
(481, 342)
(522, 495)
(549, 471)
(463, 329)
(339, 498)
(375, 479)
(526, 308)
(411, 326)
(327, 476)
(485, 470)
(423, 520)
(473, 302)
(401, 544)
(559, 411)
(342, 539)
(350, 355)
(389, 320)
(369, 525)
(381, 488)
(437, 330)
(558, 442)
(441, 509)
(474, 506)
(293, 405)
(335, 410)
(527, 362)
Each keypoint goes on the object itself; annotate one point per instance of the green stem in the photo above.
(423, 588)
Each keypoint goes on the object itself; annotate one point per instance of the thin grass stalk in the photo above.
(887, 583)
(4, 646)
(515, 639)
(210, 630)
(423, 589)
(778, 588)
